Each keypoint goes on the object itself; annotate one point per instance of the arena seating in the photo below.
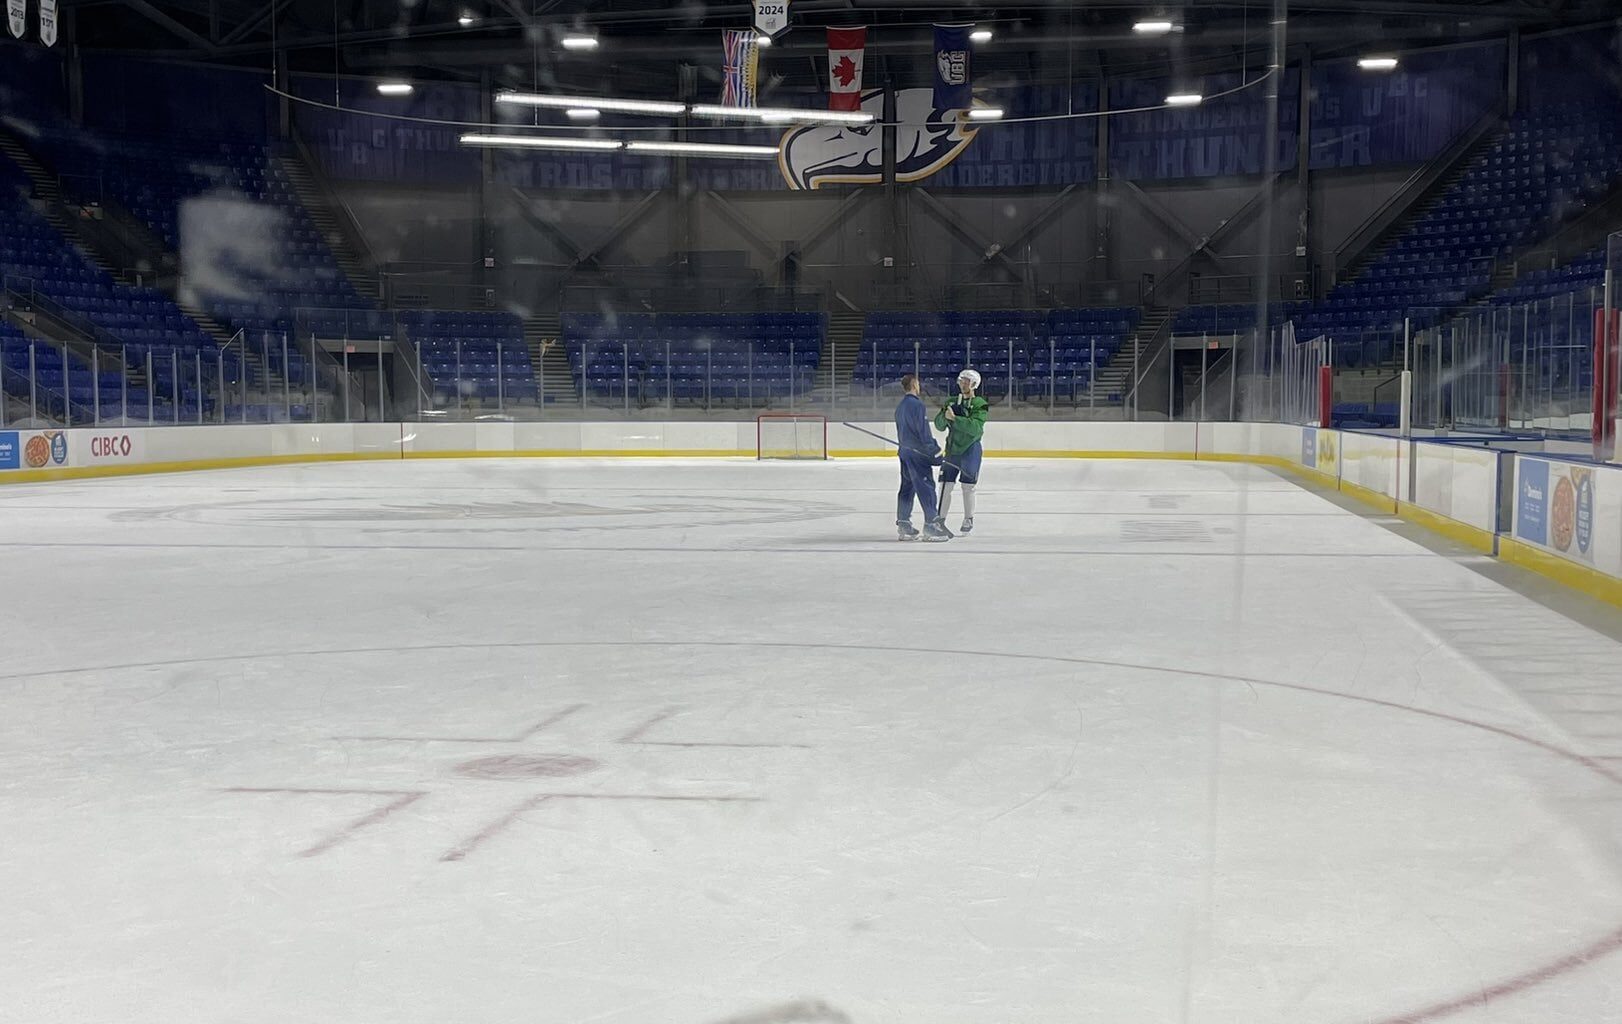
(486, 352)
(1547, 167)
(733, 358)
(1027, 351)
(1232, 319)
(252, 256)
(130, 323)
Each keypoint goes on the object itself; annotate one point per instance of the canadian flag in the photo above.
(845, 49)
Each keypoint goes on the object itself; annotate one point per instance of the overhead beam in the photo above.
(1033, 227)
(169, 24)
(989, 251)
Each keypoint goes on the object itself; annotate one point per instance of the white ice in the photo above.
(689, 742)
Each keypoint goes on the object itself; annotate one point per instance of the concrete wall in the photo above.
(535, 234)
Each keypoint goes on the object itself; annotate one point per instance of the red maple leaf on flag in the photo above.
(845, 71)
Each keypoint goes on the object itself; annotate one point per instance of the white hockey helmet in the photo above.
(972, 376)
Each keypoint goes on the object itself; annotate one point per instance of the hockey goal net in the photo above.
(783, 435)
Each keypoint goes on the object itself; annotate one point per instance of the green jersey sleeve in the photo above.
(967, 428)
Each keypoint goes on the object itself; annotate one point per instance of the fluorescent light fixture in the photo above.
(980, 35)
(395, 89)
(576, 41)
(536, 142)
(761, 40)
(701, 148)
(1377, 63)
(1153, 28)
(583, 113)
(1184, 99)
(527, 99)
(466, 18)
(783, 115)
(985, 113)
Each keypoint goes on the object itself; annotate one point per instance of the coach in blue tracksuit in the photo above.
(919, 454)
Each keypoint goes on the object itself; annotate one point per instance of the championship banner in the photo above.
(47, 22)
(771, 17)
(846, 47)
(739, 66)
(953, 86)
(17, 14)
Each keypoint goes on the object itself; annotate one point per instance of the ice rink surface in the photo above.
(689, 742)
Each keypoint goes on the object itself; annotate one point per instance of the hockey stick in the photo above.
(890, 440)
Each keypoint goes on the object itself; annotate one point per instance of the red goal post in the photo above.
(791, 435)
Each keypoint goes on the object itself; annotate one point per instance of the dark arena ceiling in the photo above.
(642, 45)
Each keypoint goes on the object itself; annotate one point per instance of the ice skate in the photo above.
(906, 531)
(968, 525)
(935, 530)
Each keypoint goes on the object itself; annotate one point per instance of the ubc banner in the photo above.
(954, 88)
(47, 22)
(17, 14)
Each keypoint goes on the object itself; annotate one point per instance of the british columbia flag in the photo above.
(742, 57)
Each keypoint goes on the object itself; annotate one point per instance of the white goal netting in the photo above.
(791, 436)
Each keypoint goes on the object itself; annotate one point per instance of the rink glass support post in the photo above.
(875, 392)
(382, 387)
(33, 384)
(625, 376)
(1053, 372)
(174, 386)
(793, 372)
(95, 385)
(287, 384)
(1326, 390)
(1092, 371)
(348, 416)
(151, 392)
(197, 382)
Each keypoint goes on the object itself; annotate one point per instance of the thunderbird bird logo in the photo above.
(841, 154)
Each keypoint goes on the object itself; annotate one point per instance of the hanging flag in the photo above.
(47, 22)
(17, 14)
(845, 49)
(771, 17)
(740, 63)
(953, 86)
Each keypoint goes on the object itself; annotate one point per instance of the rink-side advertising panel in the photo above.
(1568, 523)
(24, 450)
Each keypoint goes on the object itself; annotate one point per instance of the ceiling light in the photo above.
(466, 19)
(575, 41)
(1377, 63)
(701, 148)
(1153, 28)
(1184, 99)
(985, 113)
(527, 99)
(761, 40)
(781, 115)
(537, 142)
(395, 89)
(980, 35)
(583, 113)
